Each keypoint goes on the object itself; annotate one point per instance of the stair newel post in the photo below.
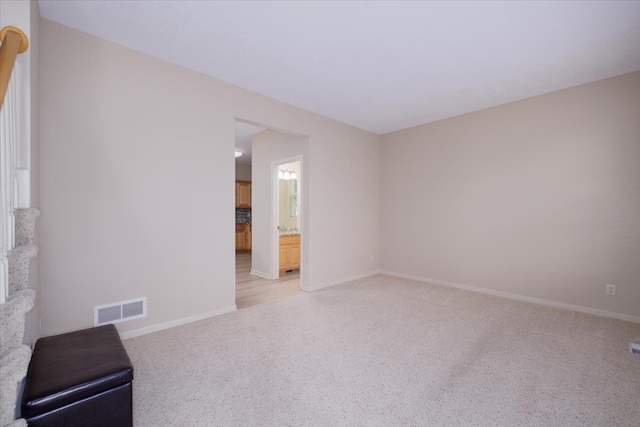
(14, 41)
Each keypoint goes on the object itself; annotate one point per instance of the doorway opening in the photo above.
(288, 206)
(260, 277)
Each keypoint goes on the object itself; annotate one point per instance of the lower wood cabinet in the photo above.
(243, 237)
(289, 255)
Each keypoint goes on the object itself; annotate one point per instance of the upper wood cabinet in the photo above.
(243, 194)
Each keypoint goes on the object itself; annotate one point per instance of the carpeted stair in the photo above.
(14, 355)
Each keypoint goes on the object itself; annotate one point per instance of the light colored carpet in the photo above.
(389, 351)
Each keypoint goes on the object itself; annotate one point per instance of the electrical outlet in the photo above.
(611, 290)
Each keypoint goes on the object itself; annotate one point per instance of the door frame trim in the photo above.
(275, 211)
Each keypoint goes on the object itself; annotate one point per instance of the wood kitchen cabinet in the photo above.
(289, 255)
(243, 194)
(243, 237)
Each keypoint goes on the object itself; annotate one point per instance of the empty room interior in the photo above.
(436, 209)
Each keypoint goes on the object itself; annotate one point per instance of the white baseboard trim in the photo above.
(177, 322)
(518, 297)
(343, 280)
(260, 274)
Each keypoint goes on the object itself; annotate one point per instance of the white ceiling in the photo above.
(380, 66)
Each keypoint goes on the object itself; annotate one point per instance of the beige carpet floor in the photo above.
(389, 351)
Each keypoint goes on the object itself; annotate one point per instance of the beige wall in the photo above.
(32, 331)
(137, 185)
(539, 198)
(243, 172)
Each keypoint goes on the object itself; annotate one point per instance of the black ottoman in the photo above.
(81, 378)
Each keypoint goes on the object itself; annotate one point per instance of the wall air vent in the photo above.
(119, 311)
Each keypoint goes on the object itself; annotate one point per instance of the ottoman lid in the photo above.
(70, 367)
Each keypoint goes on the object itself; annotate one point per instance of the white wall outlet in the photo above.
(611, 289)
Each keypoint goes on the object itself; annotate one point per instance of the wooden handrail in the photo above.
(14, 41)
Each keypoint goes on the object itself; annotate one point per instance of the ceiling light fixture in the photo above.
(238, 153)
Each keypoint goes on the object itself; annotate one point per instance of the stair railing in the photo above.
(14, 41)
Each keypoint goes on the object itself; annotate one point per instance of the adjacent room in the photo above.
(276, 195)
(436, 209)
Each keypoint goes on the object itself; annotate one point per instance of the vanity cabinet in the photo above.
(289, 255)
(243, 194)
(243, 237)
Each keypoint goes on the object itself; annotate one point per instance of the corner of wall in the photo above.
(32, 327)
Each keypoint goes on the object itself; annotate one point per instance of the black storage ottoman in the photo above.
(82, 378)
